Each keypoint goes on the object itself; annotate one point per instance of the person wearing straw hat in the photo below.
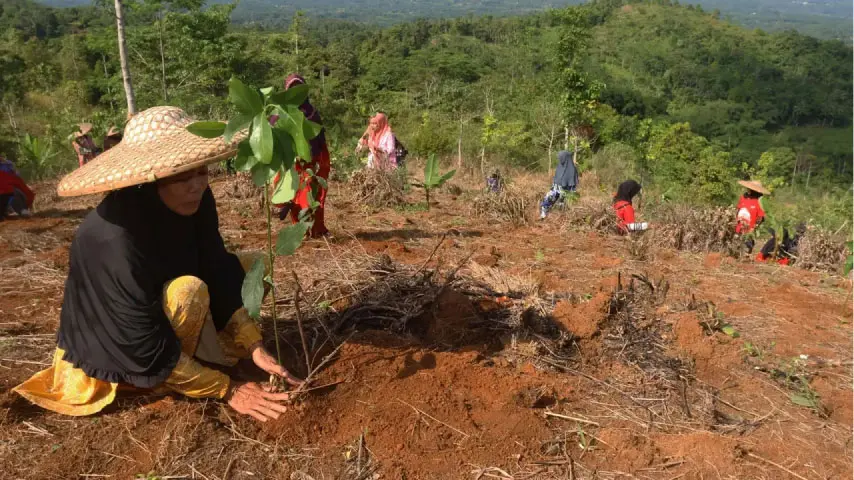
(151, 289)
(112, 138)
(83, 144)
(749, 213)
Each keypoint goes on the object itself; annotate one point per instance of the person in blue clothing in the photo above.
(565, 181)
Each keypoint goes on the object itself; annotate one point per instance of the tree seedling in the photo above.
(432, 178)
(716, 323)
(275, 140)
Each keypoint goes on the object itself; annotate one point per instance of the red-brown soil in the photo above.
(426, 407)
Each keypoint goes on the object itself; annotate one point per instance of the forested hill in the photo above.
(677, 97)
(829, 19)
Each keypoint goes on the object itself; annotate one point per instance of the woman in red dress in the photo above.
(319, 164)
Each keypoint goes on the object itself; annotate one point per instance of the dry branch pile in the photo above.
(592, 213)
(466, 305)
(377, 188)
(511, 205)
(819, 250)
(634, 333)
(696, 229)
(680, 227)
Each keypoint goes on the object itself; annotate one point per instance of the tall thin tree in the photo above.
(123, 58)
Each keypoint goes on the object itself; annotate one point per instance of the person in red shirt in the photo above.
(749, 210)
(15, 195)
(625, 211)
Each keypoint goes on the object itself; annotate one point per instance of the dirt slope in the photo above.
(642, 382)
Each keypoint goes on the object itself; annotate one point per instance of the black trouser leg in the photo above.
(4, 204)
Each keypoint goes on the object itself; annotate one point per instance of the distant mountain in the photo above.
(823, 18)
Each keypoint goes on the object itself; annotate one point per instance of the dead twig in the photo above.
(430, 257)
(466, 435)
(297, 292)
(303, 388)
(567, 417)
(769, 462)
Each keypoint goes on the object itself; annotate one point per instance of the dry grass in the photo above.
(377, 188)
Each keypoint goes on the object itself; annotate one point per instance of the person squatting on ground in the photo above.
(565, 181)
(151, 288)
(84, 145)
(320, 165)
(380, 142)
(626, 223)
(15, 196)
(494, 183)
(787, 251)
(749, 212)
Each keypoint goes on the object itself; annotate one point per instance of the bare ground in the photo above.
(522, 352)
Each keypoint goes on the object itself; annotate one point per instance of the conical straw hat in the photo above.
(83, 129)
(756, 186)
(156, 144)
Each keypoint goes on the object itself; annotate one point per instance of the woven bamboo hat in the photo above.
(156, 144)
(756, 186)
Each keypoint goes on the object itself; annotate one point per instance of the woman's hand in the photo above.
(251, 399)
(268, 363)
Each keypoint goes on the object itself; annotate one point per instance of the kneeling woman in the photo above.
(151, 288)
(626, 223)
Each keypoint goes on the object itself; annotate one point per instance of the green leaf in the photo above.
(312, 203)
(294, 126)
(730, 330)
(295, 95)
(849, 265)
(263, 173)
(286, 190)
(802, 400)
(311, 129)
(290, 238)
(252, 291)
(430, 171)
(266, 91)
(284, 147)
(206, 129)
(245, 159)
(247, 100)
(261, 138)
(236, 124)
(322, 181)
(447, 177)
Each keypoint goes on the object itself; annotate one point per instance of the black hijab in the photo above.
(627, 191)
(112, 324)
(566, 175)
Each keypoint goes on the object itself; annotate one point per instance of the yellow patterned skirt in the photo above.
(69, 391)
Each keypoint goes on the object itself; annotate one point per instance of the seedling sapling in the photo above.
(275, 136)
(432, 178)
